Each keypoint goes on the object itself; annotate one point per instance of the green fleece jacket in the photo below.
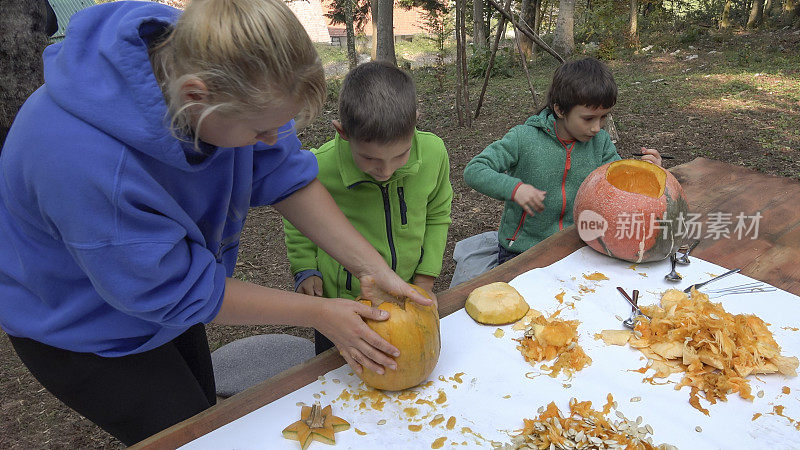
(532, 154)
(405, 218)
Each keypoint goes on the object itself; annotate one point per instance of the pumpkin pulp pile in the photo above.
(716, 350)
(584, 428)
(550, 338)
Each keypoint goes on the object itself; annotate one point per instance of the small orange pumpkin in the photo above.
(414, 330)
(631, 210)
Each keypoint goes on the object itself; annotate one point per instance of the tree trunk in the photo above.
(373, 52)
(790, 11)
(756, 14)
(479, 37)
(633, 29)
(385, 32)
(538, 6)
(774, 9)
(525, 44)
(531, 14)
(352, 57)
(725, 21)
(564, 39)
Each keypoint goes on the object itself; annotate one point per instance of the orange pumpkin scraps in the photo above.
(315, 424)
(583, 428)
(552, 338)
(714, 349)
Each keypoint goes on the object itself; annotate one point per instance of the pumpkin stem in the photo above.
(316, 419)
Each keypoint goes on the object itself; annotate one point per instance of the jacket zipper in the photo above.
(403, 207)
(519, 227)
(567, 165)
(564, 187)
(387, 212)
(348, 284)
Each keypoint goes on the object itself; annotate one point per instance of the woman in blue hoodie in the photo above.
(125, 181)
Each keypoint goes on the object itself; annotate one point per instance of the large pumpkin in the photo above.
(414, 330)
(631, 210)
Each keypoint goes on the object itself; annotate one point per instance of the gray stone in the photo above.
(246, 362)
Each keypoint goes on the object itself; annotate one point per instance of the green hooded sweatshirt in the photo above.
(532, 154)
(405, 218)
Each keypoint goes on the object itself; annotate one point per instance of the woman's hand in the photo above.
(387, 286)
(651, 155)
(529, 198)
(342, 322)
(311, 286)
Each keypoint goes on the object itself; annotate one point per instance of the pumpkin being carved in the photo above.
(414, 330)
(631, 210)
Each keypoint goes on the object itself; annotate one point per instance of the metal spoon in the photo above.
(699, 285)
(673, 275)
(684, 260)
(630, 322)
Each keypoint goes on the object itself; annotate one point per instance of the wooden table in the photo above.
(710, 186)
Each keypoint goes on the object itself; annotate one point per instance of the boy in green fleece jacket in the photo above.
(538, 167)
(390, 180)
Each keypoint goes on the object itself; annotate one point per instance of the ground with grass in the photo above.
(734, 98)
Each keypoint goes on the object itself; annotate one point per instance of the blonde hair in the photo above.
(250, 54)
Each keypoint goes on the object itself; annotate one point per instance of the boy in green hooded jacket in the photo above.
(537, 168)
(391, 181)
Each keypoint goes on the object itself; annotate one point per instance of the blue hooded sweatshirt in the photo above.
(116, 236)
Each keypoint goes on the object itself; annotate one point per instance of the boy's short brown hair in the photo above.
(583, 82)
(378, 103)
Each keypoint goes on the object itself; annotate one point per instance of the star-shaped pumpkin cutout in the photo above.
(316, 424)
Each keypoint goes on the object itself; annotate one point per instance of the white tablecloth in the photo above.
(498, 388)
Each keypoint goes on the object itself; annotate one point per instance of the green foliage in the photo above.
(691, 35)
(334, 86)
(503, 65)
(361, 13)
(605, 20)
(430, 6)
(440, 25)
(607, 49)
(329, 54)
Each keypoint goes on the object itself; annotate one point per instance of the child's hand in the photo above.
(425, 282)
(651, 155)
(529, 198)
(311, 286)
(341, 321)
